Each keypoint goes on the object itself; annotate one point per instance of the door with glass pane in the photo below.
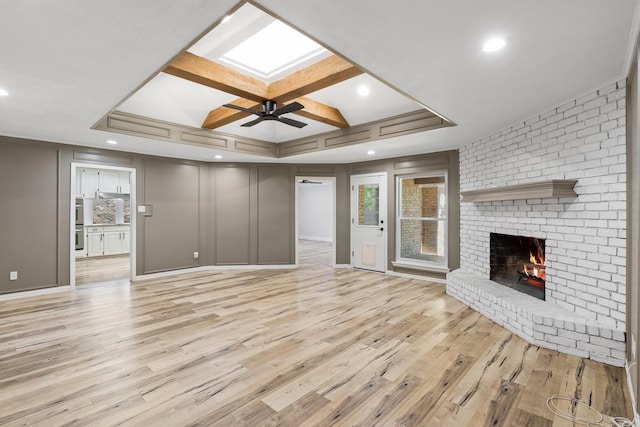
(421, 235)
(369, 222)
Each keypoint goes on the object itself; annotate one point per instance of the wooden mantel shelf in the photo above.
(531, 190)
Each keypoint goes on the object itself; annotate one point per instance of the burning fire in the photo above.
(537, 267)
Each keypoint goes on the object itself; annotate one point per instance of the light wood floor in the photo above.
(306, 347)
(102, 269)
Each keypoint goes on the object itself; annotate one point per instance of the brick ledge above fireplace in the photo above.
(538, 322)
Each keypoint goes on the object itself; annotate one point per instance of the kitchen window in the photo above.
(422, 220)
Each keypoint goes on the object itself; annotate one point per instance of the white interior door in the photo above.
(369, 221)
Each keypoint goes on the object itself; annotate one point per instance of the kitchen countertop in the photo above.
(106, 225)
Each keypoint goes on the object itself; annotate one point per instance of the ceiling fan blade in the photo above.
(246, 110)
(289, 108)
(291, 122)
(252, 122)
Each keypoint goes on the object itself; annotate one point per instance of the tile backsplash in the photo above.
(104, 211)
(109, 211)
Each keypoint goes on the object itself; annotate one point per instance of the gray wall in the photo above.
(250, 215)
(29, 216)
(230, 204)
(275, 192)
(232, 214)
(171, 233)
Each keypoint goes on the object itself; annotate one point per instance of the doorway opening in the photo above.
(103, 223)
(316, 220)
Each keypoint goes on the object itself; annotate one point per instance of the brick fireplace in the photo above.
(583, 311)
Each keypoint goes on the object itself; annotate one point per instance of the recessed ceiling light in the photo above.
(112, 141)
(3, 92)
(371, 152)
(218, 156)
(494, 44)
(227, 19)
(363, 90)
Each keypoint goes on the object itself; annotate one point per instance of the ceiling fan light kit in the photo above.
(270, 112)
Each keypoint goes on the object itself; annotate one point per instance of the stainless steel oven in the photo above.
(79, 238)
(79, 211)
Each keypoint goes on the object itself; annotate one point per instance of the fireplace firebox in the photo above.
(518, 262)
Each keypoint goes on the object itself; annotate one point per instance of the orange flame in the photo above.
(537, 269)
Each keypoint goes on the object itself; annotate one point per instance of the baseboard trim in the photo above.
(636, 416)
(416, 276)
(34, 292)
(213, 268)
(342, 266)
(316, 238)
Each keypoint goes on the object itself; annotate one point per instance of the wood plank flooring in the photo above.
(307, 347)
(102, 269)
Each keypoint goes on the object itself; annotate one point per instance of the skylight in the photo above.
(273, 50)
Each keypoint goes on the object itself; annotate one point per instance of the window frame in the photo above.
(399, 218)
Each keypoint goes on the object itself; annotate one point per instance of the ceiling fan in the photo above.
(269, 112)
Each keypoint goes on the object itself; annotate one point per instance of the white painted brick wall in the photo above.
(585, 236)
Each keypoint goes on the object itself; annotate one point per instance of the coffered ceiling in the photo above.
(70, 65)
(251, 61)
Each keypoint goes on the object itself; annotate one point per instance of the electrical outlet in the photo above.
(196, 255)
(13, 275)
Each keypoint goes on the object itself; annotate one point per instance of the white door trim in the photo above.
(72, 222)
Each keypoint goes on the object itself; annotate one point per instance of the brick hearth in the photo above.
(540, 323)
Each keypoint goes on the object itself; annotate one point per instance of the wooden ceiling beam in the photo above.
(322, 74)
(223, 116)
(252, 92)
(320, 112)
(208, 73)
(312, 110)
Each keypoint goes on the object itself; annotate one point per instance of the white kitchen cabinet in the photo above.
(108, 240)
(104, 181)
(112, 242)
(78, 189)
(108, 181)
(94, 241)
(114, 182)
(124, 182)
(126, 242)
(90, 182)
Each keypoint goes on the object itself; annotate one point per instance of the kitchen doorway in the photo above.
(315, 220)
(103, 224)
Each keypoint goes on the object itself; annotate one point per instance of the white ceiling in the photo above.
(68, 63)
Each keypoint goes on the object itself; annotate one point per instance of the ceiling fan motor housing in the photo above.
(268, 106)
